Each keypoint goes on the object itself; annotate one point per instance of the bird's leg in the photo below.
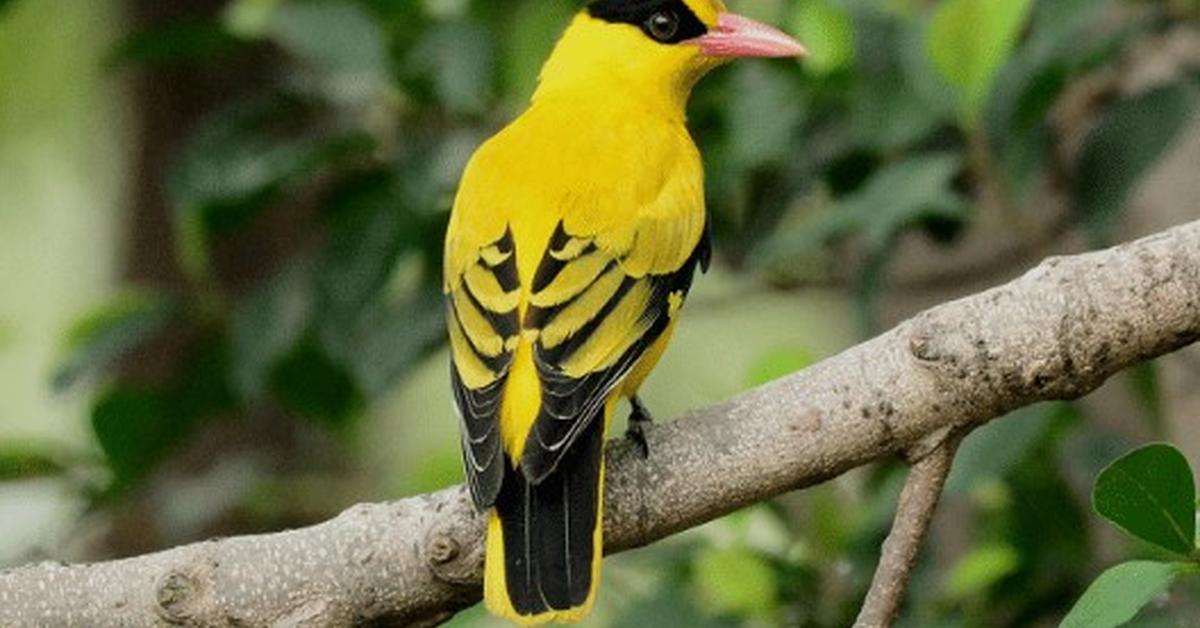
(639, 417)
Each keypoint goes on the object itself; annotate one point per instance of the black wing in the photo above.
(483, 323)
(594, 321)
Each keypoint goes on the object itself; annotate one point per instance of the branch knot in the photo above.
(453, 548)
(175, 593)
(442, 549)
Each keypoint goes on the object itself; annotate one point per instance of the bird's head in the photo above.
(657, 48)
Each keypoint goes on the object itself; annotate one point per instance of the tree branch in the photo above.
(918, 501)
(1056, 333)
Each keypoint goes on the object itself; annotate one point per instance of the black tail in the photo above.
(548, 530)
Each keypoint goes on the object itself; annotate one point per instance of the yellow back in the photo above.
(632, 180)
(602, 154)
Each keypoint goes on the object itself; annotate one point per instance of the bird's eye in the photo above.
(663, 25)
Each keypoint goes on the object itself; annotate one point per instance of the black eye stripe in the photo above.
(639, 12)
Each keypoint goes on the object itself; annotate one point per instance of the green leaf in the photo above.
(268, 325)
(1119, 593)
(888, 115)
(1151, 494)
(734, 582)
(907, 193)
(388, 338)
(897, 197)
(827, 30)
(109, 332)
(969, 41)
(901, 196)
(1145, 386)
(1060, 23)
(370, 226)
(1068, 38)
(982, 568)
(337, 37)
(20, 462)
(378, 310)
(994, 450)
(311, 384)
(249, 18)
(246, 154)
(137, 428)
(427, 177)
(203, 390)
(1129, 140)
(763, 119)
(896, 99)
(1015, 117)
(912, 51)
(1039, 500)
(178, 42)
(459, 57)
(135, 431)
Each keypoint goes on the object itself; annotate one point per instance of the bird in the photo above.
(573, 240)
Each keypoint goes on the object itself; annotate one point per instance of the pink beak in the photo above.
(737, 36)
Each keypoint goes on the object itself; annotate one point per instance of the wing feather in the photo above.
(483, 321)
(592, 327)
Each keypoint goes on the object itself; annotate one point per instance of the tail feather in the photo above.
(544, 544)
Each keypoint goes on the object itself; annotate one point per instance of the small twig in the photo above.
(918, 501)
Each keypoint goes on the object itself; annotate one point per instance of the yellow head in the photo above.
(653, 50)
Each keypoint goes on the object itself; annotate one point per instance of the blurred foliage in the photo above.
(378, 104)
(26, 463)
(1126, 143)
(109, 332)
(908, 117)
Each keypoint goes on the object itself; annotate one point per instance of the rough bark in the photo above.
(914, 513)
(1056, 333)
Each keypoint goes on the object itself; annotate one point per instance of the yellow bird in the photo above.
(572, 243)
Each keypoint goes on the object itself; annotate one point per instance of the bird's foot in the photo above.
(639, 418)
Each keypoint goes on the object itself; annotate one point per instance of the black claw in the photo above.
(638, 419)
(637, 434)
